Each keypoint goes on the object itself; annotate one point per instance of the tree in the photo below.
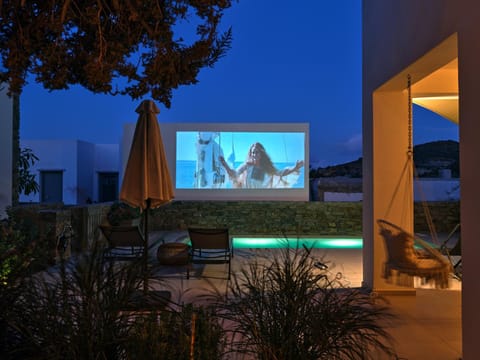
(23, 181)
(129, 47)
(26, 180)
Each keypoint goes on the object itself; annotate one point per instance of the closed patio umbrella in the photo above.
(146, 182)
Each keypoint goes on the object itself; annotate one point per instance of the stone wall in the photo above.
(50, 227)
(251, 218)
(244, 218)
(298, 218)
(445, 216)
(85, 220)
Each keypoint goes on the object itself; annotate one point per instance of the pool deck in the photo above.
(429, 324)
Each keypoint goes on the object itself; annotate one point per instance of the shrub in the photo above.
(74, 311)
(23, 251)
(78, 311)
(289, 309)
(171, 337)
(120, 212)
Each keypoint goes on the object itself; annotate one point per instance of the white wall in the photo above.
(107, 159)
(395, 35)
(424, 190)
(437, 190)
(85, 172)
(58, 155)
(80, 162)
(6, 146)
(330, 196)
(168, 133)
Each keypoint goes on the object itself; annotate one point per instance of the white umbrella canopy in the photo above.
(146, 182)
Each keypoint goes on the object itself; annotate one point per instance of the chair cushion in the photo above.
(173, 254)
(401, 248)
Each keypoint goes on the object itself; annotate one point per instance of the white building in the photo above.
(425, 50)
(73, 171)
(78, 172)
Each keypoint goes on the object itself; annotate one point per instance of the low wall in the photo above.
(252, 218)
(248, 218)
(302, 218)
(445, 216)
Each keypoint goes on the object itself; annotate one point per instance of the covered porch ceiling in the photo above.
(438, 92)
(434, 80)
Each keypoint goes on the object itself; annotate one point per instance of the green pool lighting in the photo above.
(277, 243)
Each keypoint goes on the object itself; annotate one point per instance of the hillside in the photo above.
(429, 159)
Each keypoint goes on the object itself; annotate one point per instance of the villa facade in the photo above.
(414, 51)
(73, 172)
(433, 46)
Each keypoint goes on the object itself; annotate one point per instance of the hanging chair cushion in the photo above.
(400, 248)
(403, 257)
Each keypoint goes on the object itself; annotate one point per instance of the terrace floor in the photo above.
(428, 324)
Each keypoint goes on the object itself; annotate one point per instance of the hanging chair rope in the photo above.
(410, 118)
(405, 173)
(426, 210)
(409, 256)
(406, 169)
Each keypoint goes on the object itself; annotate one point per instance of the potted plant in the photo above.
(121, 213)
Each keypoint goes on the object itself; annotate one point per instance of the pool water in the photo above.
(277, 243)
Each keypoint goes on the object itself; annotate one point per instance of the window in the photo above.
(51, 186)
(107, 186)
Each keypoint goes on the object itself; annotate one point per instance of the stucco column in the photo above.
(388, 188)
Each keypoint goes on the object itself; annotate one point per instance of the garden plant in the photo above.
(288, 307)
(82, 309)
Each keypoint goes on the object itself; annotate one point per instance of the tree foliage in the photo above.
(26, 180)
(128, 47)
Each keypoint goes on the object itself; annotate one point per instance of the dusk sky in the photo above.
(287, 64)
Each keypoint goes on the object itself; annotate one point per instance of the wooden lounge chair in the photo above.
(409, 256)
(124, 242)
(210, 246)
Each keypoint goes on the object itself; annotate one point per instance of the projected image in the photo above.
(240, 160)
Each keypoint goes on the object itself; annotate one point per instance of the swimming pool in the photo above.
(278, 242)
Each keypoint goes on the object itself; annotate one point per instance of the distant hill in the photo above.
(429, 158)
(432, 157)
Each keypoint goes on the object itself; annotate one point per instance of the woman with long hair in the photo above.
(258, 170)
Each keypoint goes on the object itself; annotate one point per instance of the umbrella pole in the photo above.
(145, 248)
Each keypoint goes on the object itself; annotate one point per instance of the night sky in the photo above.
(289, 62)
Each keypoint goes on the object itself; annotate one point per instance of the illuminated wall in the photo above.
(418, 37)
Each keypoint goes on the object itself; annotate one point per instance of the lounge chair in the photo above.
(124, 242)
(453, 251)
(210, 246)
(409, 256)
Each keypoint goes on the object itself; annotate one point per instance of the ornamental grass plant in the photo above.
(282, 307)
(289, 308)
(172, 337)
(82, 310)
(74, 311)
